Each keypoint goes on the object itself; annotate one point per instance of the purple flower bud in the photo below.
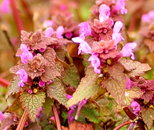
(84, 46)
(81, 103)
(48, 23)
(60, 31)
(128, 83)
(136, 107)
(95, 62)
(26, 124)
(5, 7)
(68, 35)
(26, 55)
(48, 32)
(85, 29)
(127, 50)
(41, 83)
(120, 6)
(30, 91)
(116, 36)
(104, 11)
(22, 76)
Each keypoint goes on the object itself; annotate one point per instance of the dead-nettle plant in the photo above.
(53, 86)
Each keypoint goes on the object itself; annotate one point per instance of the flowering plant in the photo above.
(88, 75)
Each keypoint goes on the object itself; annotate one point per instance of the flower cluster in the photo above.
(38, 57)
(100, 37)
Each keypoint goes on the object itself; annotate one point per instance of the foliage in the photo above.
(81, 67)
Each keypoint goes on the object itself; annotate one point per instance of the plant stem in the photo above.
(4, 82)
(3, 28)
(132, 117)
(27, 9)
(58, 124)
(22, 121)
(121, 125)
(16, 16)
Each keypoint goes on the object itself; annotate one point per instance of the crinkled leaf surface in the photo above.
(13, 87)
(80, 126)
(116, 88)
(86, 89)
(15, 106)
(56, 90)
(71, 77)
(116, 71)
(47, 106)
(32, 102)
(135, 68)
(131, 94)
(85, 62)
(6, 122)
(33, 126)
(148, 116)
(147, 96)
(50, 56)
(91, 114)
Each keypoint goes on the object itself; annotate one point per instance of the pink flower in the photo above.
(48, 32)
(120, 6)
(41, 83)
(48, 23)
(128, 83)
(5, 7)
(60, 31)
(104, 12)
(81, 103)
(85, 29)
(22, 76)
(116, 36)
(25, 55)
(95, 62)
(83, 47)
(148, 17)
(136, 107)
(127, 50)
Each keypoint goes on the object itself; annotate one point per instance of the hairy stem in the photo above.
(22, 121)
(3, 28)
(58, 124)
(4, 82)
(132, 117)
(16, 16)
(27, 9)
(121, 125)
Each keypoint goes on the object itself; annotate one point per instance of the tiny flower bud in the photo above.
(105, 69)
(109, 61)
(35, 90)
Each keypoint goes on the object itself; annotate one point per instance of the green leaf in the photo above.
(91, 114)
(15, 106)
(85, 62)
(131, 94)
(135, 68)
(148, 116)
(116, 88)
(13, 88)
(47, 106)
(32, 102)
(86, 89)
(56, 90)
(71, 77)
